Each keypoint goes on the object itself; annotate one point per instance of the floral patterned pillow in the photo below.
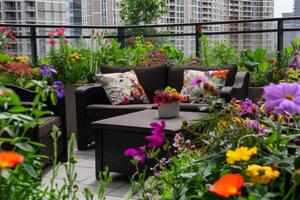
(123, 88)
(196, 82)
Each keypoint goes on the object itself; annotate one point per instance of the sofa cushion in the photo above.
(102, 111)
(175, 74)
(123, 88)
(151, 78)
(46, 128)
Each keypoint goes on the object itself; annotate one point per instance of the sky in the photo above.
(282, 6)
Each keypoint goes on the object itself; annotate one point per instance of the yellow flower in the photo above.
(148, 44)
(239, 120)
(23, 59)
(262, 174)
(242, 153)
(161, 50)
(222, 124)
(76, 56)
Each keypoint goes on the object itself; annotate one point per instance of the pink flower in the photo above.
(10, 53)
(157, 138)
(52, 42)
(137, 154)
(60, 31)
(51, 34)
(248, 107)
(66, 41)
(198, 80)
(6, 46)
(158, 128)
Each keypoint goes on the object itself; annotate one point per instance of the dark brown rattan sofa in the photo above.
(41, 133)
(92, 103)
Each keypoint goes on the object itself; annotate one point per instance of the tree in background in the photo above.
(135, 12)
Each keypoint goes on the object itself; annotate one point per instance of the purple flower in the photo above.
(283, 97)
(137, 154)
(158, 128)
(58, 88)
(198, 80)
(47, 71)
(255, 125)
(297, 142)
(248, 107)
(296, 62)
(157, 138)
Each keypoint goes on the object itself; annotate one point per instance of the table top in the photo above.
(140, 121)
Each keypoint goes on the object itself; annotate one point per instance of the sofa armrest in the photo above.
(239, 90)
(84, 96)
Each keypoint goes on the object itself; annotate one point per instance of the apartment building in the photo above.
(32, 12)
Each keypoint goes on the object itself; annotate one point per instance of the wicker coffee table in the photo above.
(114, 135)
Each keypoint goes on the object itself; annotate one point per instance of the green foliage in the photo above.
(217, 53)
(135, 12)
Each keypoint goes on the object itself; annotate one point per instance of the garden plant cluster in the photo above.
(242, 150)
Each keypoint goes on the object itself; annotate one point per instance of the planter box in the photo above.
(255, 93)
(169, 110)
(71, 108)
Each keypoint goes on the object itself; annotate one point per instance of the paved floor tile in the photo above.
(85, 169)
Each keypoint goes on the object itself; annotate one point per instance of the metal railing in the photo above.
(121, 30)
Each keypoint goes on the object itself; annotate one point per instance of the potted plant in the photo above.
(168, 101)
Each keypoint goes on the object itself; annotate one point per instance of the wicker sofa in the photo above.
(92, 103)
(41, 133)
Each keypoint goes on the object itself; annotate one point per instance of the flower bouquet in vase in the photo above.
(168, 101)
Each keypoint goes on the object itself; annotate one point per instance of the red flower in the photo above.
(60, 31)
(199, 27)
(228, 185)
(19, 68)
(51, 34)
(10, 159)
(52, 42)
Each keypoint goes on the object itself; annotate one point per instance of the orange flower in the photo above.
(10, 159)
(221, 73)
(228, 185)
(177, 97)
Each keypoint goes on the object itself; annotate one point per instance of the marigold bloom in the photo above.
(10, 159)
(242, 153)
(262, 174)
(228, 185)
(23, 59)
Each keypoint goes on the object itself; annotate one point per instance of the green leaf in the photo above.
(53, 98)
(30, 169)
(18, 109)
(25, 146)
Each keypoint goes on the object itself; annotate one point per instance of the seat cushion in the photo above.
(151, 78)
(46, 128)
(102, 111)
(175, 74)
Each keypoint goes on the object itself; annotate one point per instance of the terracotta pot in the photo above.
(169, 110)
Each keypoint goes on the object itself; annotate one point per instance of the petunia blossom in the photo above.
(58, 88)
(296, 62)
(47, 71)
(157, 138)
(283, 97)
(137, 154)
(158, 128)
